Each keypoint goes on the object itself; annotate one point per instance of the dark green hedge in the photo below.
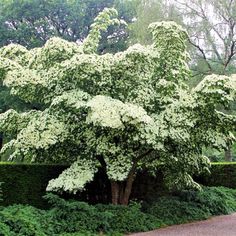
(222, 174)
(26, 184)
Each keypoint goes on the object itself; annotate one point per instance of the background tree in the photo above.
(123, 112)
(32, 23)
(212, 29)
(211, 26)
(148, 11)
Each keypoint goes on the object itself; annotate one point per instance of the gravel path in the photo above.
(216, 226)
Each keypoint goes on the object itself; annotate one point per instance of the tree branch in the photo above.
(203, 54)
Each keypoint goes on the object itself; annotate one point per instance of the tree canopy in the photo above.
(32, 23)
(123, 112)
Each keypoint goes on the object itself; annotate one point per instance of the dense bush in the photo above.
(222, 174)
(26, 183)
(70, 217)
(193, 205)
(0, 191)
(22, 220)
(74, 218)
(172, 210)
(218, 200)
(129, 219)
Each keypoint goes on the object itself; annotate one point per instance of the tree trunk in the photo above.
(228, 153)
(115, 192)
(121, 191)
(128, 187)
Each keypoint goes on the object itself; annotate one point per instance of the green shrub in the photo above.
(129, 219)
(222, 174)
(74, 216)
(171, 210)
(78, 234)
(194, 205)
(0, 191)
(26, 183)
(19, 220)
(219, 200)
(5, 230)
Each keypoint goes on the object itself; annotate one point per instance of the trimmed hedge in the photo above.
(222, 174)
(26, 183)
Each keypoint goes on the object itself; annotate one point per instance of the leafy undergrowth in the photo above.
(73, 218)
(190, 206)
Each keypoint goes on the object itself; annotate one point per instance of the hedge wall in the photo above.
(26, 184)
(222, 174)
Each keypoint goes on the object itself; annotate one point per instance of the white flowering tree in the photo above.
(122, 112)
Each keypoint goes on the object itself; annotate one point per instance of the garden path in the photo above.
(215, 226)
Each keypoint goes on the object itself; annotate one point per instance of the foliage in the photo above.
(219, 200)
(21, 220)
(213, 46)
(123, 112)
(192, 205)
(8, 101)
(26, 184)
(32, 23)
(73, 216)
(174, 211)
(218, 156)
(222, 174)
(22, 191)
(78, 218)
(1, 191)
(130, 219)
(149, 11)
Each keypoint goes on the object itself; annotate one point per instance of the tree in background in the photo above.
(212, 29)
(31, 23)
(124, 112)
(148, 11)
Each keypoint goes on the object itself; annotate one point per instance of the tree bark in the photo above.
(128, 187)
(115, 192)
(120, 191)
(228, 154)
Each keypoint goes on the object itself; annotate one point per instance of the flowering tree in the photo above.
(122, 112)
